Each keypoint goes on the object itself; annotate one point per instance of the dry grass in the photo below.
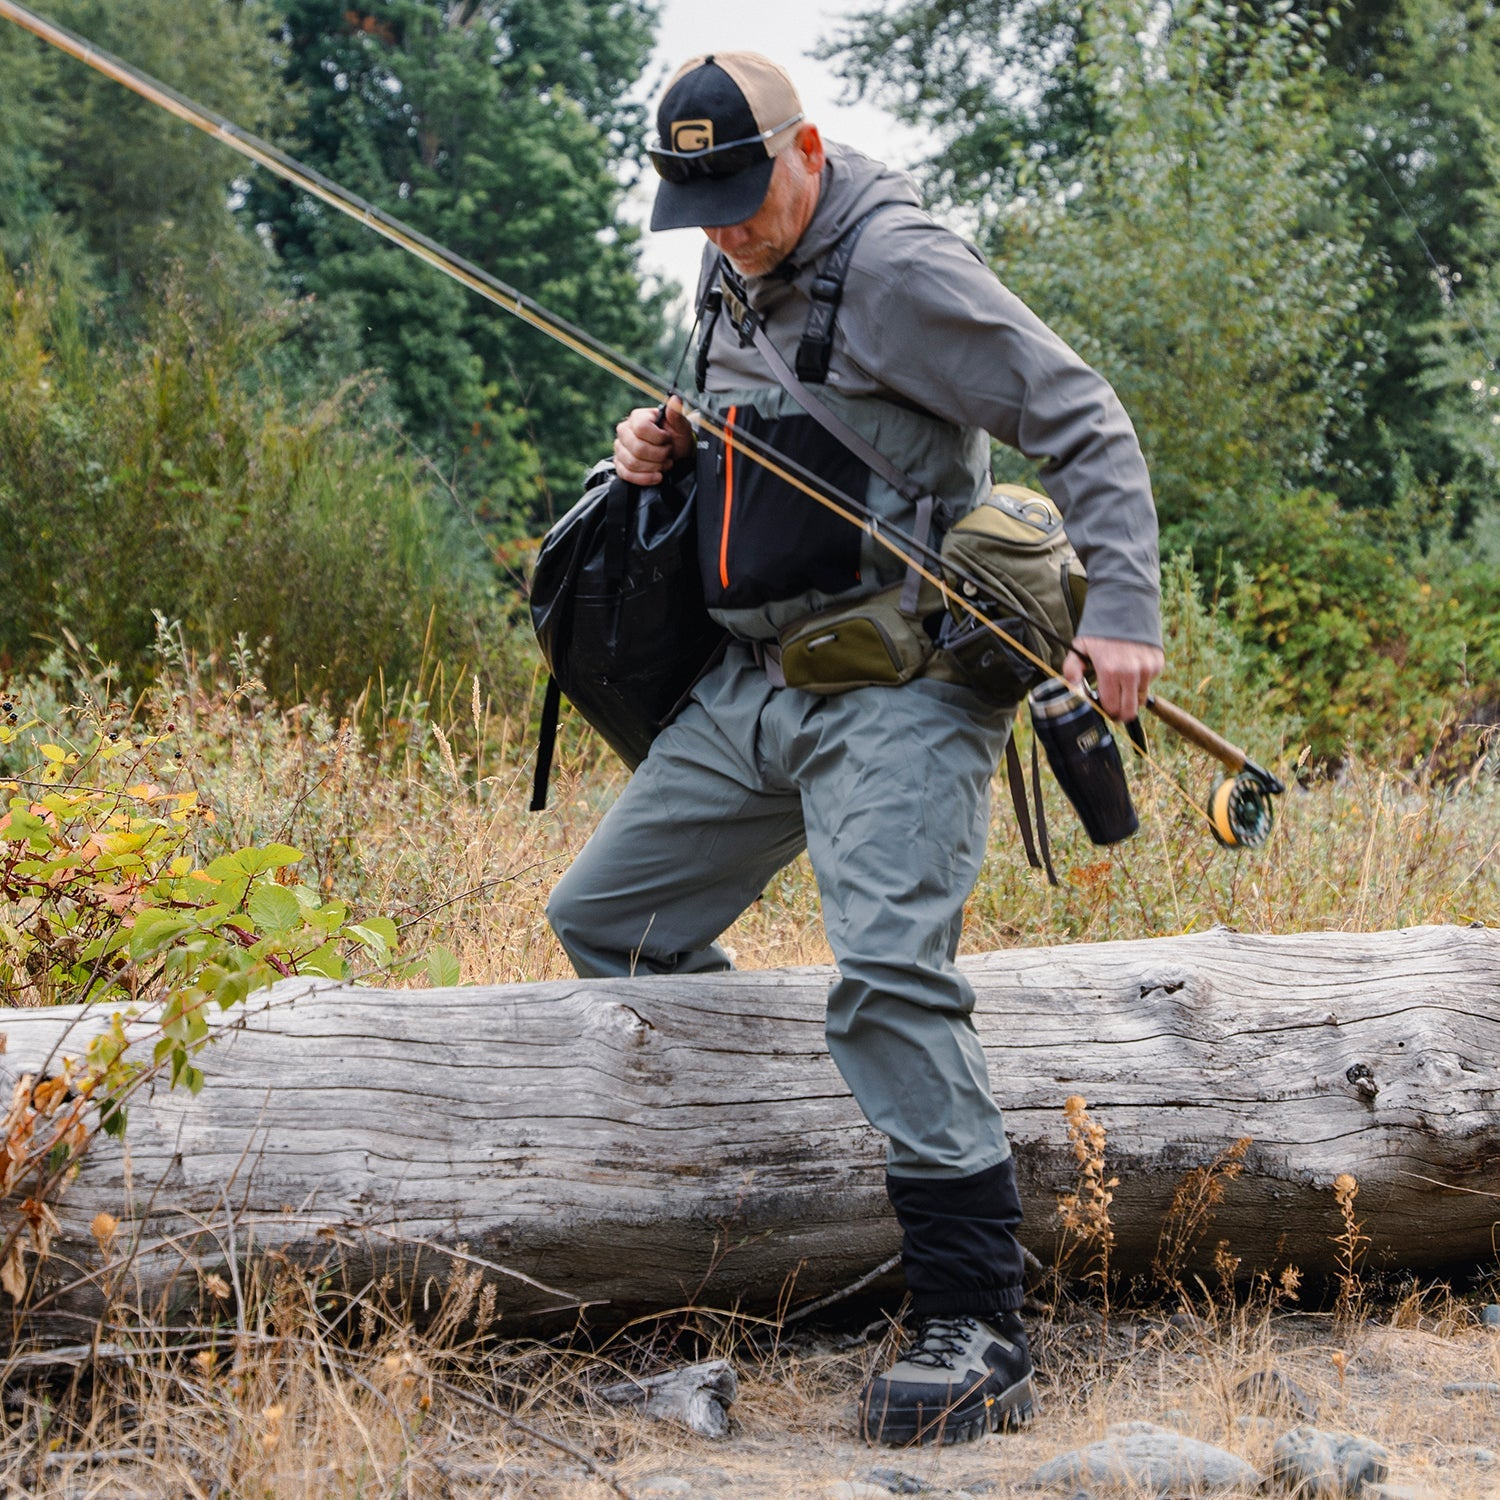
(440, 838)
(287, 1409)
(304, 1393)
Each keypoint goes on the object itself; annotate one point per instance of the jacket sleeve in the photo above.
(925, 317)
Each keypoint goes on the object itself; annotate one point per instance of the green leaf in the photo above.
(384, 927)
(154, 929)
(247, 863)
(442, 968)
(373, 935)
(273, 908)
(230, 990)
(21, 824)
(324, 961)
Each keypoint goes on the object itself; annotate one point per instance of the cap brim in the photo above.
(712, 202)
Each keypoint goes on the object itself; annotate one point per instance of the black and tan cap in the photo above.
(719, 100)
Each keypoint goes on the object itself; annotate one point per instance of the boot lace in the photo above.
(935, 1341)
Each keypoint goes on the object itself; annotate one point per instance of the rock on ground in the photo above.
(1327, 1465)
(1142, 1456)
(697, 1395)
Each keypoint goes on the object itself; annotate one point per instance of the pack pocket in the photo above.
(760, 539)
(870, 643)
(1010, 558)
(990, 663)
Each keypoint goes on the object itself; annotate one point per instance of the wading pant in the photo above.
(888, 790)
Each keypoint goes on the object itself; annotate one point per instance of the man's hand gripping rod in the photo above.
(1239, 806)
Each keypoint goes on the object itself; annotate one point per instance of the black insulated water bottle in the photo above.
(1085, 759)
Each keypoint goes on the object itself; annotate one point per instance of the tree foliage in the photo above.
(134, 187)
(164, 473)
(1195, 193)
(494, 128)
(1189, 242)
(1413, 86)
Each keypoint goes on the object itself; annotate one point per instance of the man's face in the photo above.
(769, 235)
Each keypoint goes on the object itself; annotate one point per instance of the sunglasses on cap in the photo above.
(715, 161)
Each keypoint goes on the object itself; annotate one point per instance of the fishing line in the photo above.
(1432, 260)
(903, 546)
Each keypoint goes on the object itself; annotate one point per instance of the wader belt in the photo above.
(767, 656)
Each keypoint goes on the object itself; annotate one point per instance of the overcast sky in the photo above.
(786, 31)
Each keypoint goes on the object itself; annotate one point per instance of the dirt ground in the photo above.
(294, 1415)
(793, 1425)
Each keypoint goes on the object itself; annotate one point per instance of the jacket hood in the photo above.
(852, 184)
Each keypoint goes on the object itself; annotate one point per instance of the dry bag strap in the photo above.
(1017, 778)
(825, 293)
(709, 309)
(546, 741)
(1041, 814)
(618, 504)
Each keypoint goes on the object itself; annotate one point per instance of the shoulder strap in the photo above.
(900, 481)
(873, 458)
(826, 292)
(708, 315)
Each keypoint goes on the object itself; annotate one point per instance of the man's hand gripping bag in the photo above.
(617, 606)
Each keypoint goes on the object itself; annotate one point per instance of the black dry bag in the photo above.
(617, 606)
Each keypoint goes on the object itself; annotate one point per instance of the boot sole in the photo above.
(1012, 1408)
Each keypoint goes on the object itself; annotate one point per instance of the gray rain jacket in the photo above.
(931, 352)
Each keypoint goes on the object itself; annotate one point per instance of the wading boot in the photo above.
(954, 1380)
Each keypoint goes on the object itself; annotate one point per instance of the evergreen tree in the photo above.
(1414, 87)
(133, 187)
(496, 128)
(997, 82)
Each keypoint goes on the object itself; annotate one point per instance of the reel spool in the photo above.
(1240, 812)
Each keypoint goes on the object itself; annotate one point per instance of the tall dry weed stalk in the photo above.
(1350, 1242)
(1192, 1211)
(1084, 1213)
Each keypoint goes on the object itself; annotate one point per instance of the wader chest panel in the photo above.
(760, 540)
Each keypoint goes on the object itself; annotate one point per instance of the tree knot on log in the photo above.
(1363, 1081)
(1168, 980)
(621, 1019)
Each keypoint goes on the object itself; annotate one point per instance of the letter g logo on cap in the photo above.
(692, 135)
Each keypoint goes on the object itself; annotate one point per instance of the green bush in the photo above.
(169, 475)
(1364, 639)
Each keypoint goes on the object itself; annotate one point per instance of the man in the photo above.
(886, 787)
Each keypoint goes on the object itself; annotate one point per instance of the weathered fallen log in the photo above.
(636, 1144)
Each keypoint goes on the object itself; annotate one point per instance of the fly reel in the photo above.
(1239, 806)
(1239, 809)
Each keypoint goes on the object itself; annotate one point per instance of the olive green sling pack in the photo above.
(1007, 561)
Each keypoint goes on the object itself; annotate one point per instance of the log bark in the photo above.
(638, 1144)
